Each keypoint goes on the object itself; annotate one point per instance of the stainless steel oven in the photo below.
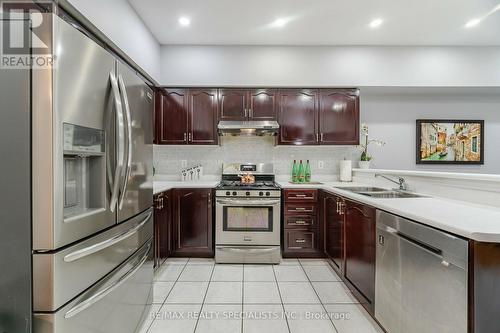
(252, 221)
(247, 227)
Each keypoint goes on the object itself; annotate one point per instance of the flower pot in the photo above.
(364, 164)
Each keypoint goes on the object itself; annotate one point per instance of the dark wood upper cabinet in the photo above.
(306, 116)
(262, 104)
(171, 116)
(298, 117)
(360, 249)
(339, 116)
(202, 117)
(192, 222)
(334, 231)
(233, 104)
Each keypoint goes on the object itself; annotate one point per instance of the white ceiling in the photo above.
(321, 22)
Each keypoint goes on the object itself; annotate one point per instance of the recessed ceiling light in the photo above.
(184, 21)
(472, 23)
(279, 23)
(376, 23)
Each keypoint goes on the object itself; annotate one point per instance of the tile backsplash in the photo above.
(168, 159)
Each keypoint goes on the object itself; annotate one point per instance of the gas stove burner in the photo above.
(264, 185)
(257, 184)
(234, 185)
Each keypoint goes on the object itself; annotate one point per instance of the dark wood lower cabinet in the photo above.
(333, 221)
(192, 222)
(302, 230)
(162, 227)
(360, 234)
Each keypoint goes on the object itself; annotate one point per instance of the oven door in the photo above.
(241, 221)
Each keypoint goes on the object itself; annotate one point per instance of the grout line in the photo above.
(319, 298)
(168, 294)
(242, 295)
(204, 297)
(281, 298)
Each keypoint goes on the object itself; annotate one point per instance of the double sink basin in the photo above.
(382, 193)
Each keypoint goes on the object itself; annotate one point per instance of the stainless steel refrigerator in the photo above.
(80, 229)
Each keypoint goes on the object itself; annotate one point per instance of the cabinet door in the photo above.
(167, 246)
(233, 104)
(360, 248)
(171, 117)
(262, 104)
(162, 227)
(203, 117)
(298, 117)
(334, 231)
(193, 222)
(339, 117)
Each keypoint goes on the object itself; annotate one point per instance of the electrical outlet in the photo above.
(184, 163)
(321, 164)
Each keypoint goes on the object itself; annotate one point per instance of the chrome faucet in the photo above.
(401, 181)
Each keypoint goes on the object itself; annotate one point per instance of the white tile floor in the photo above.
(297, 296)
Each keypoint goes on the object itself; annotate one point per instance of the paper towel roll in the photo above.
(346, 171)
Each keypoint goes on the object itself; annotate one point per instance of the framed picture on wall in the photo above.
(450, 141)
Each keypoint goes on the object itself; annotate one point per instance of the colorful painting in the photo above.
(450, 141)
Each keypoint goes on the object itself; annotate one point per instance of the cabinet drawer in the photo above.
(300, 208)
(301, 195)
(300, 221)
(300, 240)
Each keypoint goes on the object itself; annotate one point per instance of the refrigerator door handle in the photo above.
(115, 181)
(73, 256)
(126, 171)
(104, 292)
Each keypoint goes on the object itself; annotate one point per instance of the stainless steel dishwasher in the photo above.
(420, 279)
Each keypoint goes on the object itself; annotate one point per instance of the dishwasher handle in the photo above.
(426, 247)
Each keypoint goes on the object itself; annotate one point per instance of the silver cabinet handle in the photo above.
(300, 195)
(106, 291)
(321, 137)
(119, 140)
(300, 222)
(301, 209)
(250, 111)
(190, 137)
(106, 243)
(246, 113)
(300, 240)
(128, 155)
(317, 137)
(185, 137)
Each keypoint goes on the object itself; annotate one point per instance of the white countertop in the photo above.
(433, 174)
(480, 223)
(162, 185)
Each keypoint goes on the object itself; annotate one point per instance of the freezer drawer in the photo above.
(59, 277)
(117, 304)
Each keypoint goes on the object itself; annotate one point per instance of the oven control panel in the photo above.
(250, 194)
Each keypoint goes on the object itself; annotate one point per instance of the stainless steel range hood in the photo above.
(248, 128)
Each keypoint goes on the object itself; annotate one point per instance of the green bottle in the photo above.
(308, 172)
(302, 177)
(295, 172)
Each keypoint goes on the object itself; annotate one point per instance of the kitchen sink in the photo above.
(377, 192)
(363, 189)
(392, 194)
